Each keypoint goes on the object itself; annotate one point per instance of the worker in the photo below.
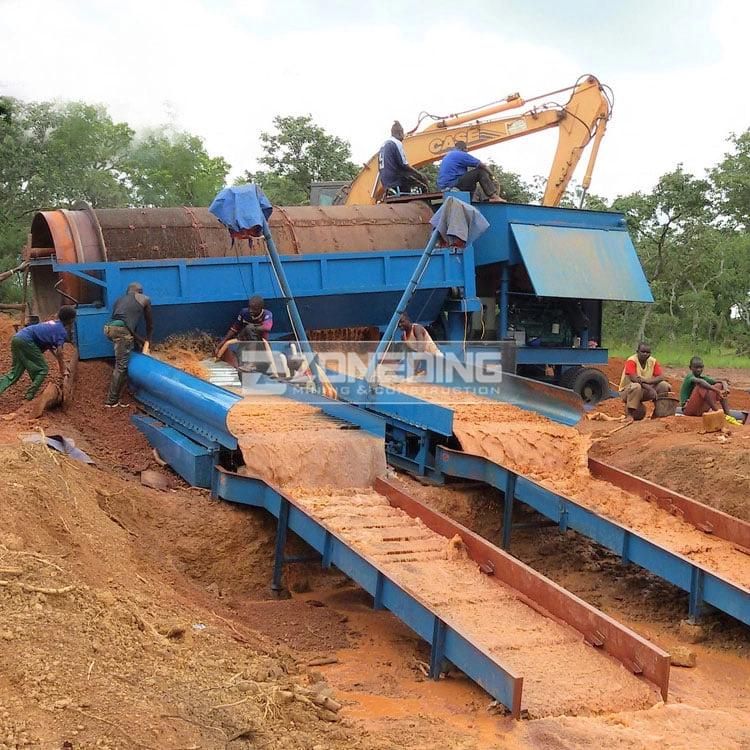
(700, 393)
(127, 313)
(418, 340)
(28, 346)
(255, 323)
(395, 171)
(642, 380)
(461, 170)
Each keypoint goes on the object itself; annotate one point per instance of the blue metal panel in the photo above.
(672, 567)
(537, 355)
(478, 665)
(334, 290)
(581, 263)
(396, 405)
(191, 461)
(495, 245)
(558, 404)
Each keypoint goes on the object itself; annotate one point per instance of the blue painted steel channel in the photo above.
(447, 642)
(333, 290)
(703, 586)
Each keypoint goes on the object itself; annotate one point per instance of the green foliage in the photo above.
(691, 240)
(731, 179)
(511, 186)
(171, 168)
(54, 154)
(297, 153)
(678, 354)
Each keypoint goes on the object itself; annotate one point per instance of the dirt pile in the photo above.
(103, 647)
(290, 444)
(187, 351)
(674, 452)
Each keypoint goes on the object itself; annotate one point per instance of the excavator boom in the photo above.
(582, 119)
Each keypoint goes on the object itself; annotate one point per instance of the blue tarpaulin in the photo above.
(242, 207)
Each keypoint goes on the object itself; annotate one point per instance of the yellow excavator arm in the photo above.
(582, 120)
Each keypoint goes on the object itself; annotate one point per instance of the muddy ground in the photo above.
(131, 618)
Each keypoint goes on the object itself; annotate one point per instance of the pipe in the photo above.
(291, 305)
(502, 329)
(411, 287)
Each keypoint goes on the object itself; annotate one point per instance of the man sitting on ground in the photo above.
(461, 170)
(701, 393)
(642, 380)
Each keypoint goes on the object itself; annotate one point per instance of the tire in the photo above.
(588, 382)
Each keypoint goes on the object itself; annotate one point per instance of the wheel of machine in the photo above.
(588, 382)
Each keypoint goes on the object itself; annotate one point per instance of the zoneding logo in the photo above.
(347, 370)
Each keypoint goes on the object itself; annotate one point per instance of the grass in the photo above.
(678, 354)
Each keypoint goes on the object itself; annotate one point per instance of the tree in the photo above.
(297, 153)
(512, 186)
(52, 155)
(731, 179)
(171, 168)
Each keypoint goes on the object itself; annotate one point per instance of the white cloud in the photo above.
(223, 73)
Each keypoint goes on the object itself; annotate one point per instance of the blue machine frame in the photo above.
(445, 641)
(333, 290)
(561, 248)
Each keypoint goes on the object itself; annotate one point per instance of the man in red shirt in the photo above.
(642, 380)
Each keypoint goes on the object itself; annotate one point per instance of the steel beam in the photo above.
(448, 642)
(545, 596)
(704, 586)
(703, 517)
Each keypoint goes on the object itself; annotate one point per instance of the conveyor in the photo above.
(187, 425)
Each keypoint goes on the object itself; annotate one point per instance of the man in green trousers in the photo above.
(28, 346)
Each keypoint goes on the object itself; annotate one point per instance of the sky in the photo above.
(222, 69)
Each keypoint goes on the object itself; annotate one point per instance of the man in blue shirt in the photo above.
(394, 168)
(461, 170)
(28, 346)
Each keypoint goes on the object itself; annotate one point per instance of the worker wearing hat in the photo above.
(127, 314)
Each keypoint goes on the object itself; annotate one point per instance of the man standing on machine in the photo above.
(419, 341)
(127, 313)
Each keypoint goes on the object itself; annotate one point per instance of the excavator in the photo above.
(581, 121)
